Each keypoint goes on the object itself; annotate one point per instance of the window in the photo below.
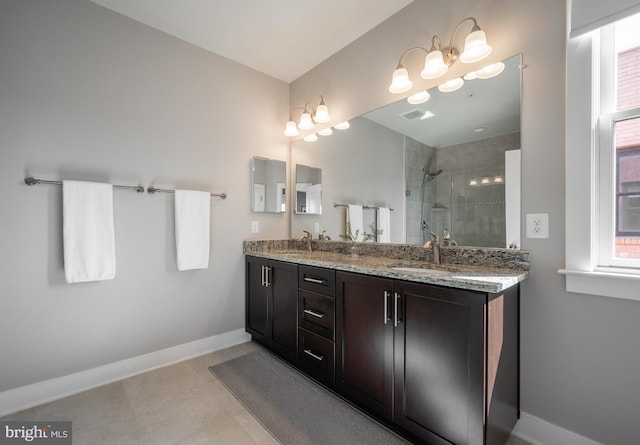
(628, 199)
(619, 144)
(603, 156)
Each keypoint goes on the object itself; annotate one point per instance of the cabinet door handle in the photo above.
(314, 280)
(395, 309)
(267, 270)
(314, 313)
(316, 356)
(386, 307)
(262, 281)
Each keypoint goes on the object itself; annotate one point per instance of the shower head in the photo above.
(430, 176)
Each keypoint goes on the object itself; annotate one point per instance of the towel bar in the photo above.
(152, 190)
(33, 181)
(337, 204)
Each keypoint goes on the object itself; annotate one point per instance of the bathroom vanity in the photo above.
(431, 350)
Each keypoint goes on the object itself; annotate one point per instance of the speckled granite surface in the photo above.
(478, 269)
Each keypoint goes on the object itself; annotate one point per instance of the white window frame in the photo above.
(586, 198)
(605, 146)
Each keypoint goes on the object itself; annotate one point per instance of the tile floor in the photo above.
(178, 404)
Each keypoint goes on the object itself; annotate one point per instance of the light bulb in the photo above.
(342, 125)
(475, 47)
(326, 132)
(490, 71)
(305, 122)
(311, 138)
(451, 85)
(400, 81)
(322, 114)
(471, 75)
(434, 65)
(291, 129)
(419, 98)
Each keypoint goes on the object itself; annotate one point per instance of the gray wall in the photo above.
(580, 353)
(88, 94)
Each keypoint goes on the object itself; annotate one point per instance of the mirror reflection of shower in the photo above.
(430, 222)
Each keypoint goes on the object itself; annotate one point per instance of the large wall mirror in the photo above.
(451, 164)
(268, 190)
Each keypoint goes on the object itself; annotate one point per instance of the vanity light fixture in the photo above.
(311, 115)
(342, 125)
(438, 59)
(326, 132)
(311, 138)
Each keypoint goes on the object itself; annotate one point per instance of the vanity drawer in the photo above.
(317, 279)
(316, 313)
(316, 356)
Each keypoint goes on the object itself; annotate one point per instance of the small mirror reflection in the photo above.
(308, 190)
(268, 178)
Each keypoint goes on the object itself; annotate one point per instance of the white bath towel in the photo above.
(88, 231)
(384, 224)
(355, 221)
(192, 213)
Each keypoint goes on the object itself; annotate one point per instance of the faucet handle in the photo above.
(307, 234)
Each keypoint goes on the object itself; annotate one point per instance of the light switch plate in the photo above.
(538, 225)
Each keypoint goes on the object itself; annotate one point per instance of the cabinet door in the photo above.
(257, 302)
(439, 363)
(283, 283)
(364, 340)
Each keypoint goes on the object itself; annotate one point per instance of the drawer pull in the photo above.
(314, 313)
(316, 356)
(314, 280)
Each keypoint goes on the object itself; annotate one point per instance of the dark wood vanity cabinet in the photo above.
(441, 363)
(272, 305)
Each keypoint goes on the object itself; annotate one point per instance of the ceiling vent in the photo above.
(416, 114)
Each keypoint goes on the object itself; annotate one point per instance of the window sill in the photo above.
(615, 283)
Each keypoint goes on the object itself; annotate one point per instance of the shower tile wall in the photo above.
(475, 214)
(417, 156)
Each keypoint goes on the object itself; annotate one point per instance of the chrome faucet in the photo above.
(435, 248)
(307, 237)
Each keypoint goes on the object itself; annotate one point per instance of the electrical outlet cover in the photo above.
(538, 225)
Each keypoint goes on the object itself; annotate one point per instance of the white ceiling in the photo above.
(281, 38)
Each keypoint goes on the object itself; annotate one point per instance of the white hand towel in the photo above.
(384, 224)
(88, 231)
(355, 220)
(192, 213)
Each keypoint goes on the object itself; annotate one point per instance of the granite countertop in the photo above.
(470, 277)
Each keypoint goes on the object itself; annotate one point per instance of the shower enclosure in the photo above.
(451, 191)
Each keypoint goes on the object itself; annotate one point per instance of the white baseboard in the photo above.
(540, 432)
(25, 397)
